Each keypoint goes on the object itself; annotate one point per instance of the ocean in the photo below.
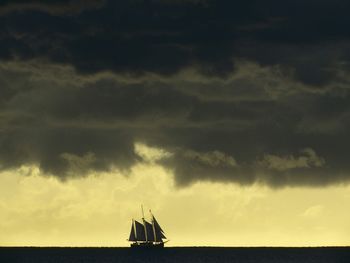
(183, 255)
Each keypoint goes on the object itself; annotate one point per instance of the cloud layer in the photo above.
(236, 91)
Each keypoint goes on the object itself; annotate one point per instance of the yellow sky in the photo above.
(96, 211)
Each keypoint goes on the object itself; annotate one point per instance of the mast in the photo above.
(144, 223)
(154, 230)
(134, 227)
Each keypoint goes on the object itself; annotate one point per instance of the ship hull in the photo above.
(147, 245)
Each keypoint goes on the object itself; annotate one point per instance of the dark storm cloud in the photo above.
(53, 7)
(236, 91)
(138, 36)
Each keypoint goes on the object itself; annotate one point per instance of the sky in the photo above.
(229, 119)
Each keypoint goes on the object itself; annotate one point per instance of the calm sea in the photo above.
(193, 255)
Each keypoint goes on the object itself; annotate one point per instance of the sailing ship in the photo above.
(146, 234)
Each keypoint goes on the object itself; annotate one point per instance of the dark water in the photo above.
(101, 255)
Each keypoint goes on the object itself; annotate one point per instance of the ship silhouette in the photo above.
(146, 234)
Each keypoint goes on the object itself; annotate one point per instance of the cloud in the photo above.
(308, 159)
(164, 37)
(233, 91)
(313, 211)
(65, 7)
(69, 124)
(213, 159)
(79, 164)
(150, 154)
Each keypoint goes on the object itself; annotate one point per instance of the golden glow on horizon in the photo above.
(97, 211)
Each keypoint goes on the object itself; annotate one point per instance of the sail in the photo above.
(150, 233)
(140, 232)
(162, 235)
(156, 225)
(132, 236)
(158, 230)
(159, 236)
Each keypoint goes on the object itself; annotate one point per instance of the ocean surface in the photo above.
(193, 255)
